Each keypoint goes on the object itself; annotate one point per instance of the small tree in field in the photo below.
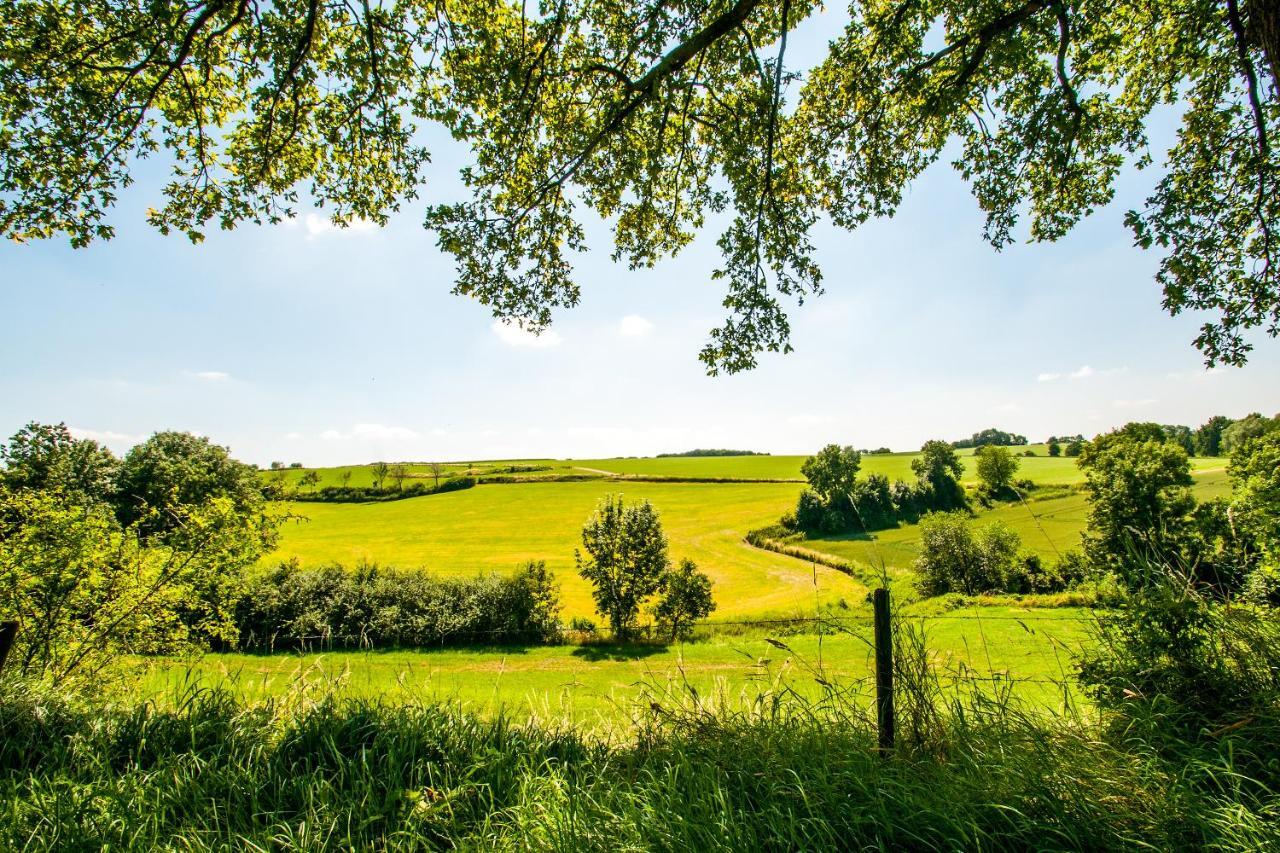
(399, 473)
(626, 560)
(1055, 449)
(310, 480)
(436, 468)
(345, 477)
(380, 471)
(686, 598)
(996, 467)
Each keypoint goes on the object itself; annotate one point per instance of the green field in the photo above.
(1041, 468)
(1048, 527)
(498, 527)
(603, 686)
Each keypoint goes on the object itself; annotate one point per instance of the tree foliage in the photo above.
(996, 468)
(626, 560)
(832, 471)
(1138, 485)
(656, 116)
(47, 457)
(938, 471)
(686, 598)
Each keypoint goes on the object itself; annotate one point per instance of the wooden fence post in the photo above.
(8, 630)
(884, 670)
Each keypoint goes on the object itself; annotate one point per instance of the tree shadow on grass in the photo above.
(619, 651)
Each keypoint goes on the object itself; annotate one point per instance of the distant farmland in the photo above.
(497, 527)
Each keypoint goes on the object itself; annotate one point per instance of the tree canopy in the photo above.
(654, 116)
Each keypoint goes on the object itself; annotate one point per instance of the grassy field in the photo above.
(1041, 468)
(604, 686)
(1048, 527)
(496, 528)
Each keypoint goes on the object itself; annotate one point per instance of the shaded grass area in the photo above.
(601, 686)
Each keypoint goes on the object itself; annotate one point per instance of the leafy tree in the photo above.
(172, 471)
(953, 558)
(380, 470)
(1182, 436)
(399, 473)
(48, 457)
(989, 437)
(88, 590)
(1055, 449)
(653, 116)
(996, 467)
(436, 468)
(626, 560)
(686, 598)
(1138, 485)
(1208, 438)
(1250, 426)
(1255, 500)
(832, 471)
(345, 477)
(1075, 448)
(938, 471)
(310, 480)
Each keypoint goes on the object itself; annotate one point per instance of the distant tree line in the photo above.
(991, 436)
(838, 500)
(712, 452)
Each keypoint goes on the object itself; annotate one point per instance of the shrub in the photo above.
(1175, 659)
(686, 598)
(376, 607)
(955, 558)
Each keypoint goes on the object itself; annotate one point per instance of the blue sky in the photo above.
(300, 342)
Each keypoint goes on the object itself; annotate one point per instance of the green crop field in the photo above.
(603, 686)
(498, 527)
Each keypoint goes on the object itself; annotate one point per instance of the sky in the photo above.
(301, 342)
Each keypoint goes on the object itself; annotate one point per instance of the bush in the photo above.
(686, 598)
(955, 558)
(370, 494)
(376, 607)
(1178, 662)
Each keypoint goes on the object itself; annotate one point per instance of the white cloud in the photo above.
(514, 334)
(292, 436)
(1048, 377)
(634, 326)
(212, 375)
(1083, 373)
(317, 225)
(109, 438)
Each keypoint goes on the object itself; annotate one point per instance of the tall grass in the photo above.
(312, 771)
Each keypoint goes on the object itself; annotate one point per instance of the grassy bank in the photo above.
(323, 772)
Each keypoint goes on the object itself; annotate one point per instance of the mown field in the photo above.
(498, 527)
(602, 687)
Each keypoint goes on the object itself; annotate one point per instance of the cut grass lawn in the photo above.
(499, 527)
(604, 686)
